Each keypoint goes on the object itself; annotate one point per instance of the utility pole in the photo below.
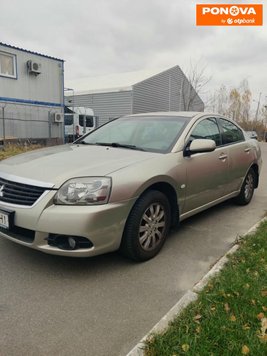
(73, 106)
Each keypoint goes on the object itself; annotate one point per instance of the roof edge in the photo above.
(163, 71)
(98, 91)
(31, 52)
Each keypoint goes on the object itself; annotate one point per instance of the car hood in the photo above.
(55, 165)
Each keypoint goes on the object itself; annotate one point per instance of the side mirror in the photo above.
(200, 146)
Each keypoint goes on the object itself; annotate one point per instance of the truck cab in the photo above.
(78, 121)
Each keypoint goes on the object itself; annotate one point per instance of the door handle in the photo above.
(247, 149)
(222, 157)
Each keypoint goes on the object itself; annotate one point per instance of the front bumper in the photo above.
(102, 225)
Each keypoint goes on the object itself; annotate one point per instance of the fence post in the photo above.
(49, 124)
(4, 125)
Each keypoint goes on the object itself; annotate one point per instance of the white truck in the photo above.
(78, 121)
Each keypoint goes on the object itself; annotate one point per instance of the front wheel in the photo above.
(247, 190)
(147, 226)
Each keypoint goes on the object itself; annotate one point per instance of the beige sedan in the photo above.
(123, 186)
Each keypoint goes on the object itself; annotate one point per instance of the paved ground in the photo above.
(103, 306)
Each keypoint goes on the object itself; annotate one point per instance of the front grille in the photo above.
(19, 193)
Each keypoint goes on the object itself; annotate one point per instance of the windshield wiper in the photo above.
(120, 145)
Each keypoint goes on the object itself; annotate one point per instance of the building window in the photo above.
(8, 65)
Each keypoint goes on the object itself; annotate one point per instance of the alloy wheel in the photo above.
(152, 226)
(249, 186)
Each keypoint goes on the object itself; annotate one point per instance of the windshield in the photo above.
(89, 120)
(146, 133)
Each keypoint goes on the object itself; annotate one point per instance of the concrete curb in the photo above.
(186, 299)
(215, 270)
(189, 297)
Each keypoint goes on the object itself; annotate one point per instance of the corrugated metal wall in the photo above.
(166, 91)
(189, 99)
(105, 105)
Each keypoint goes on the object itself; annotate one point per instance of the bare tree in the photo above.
(246, 98)
(263, 121)
(220, 101)
(193, 86)
(235, 102)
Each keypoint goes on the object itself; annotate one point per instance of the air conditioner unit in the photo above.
(58, 117)
(34, 67)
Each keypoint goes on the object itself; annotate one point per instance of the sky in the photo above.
(103, 37)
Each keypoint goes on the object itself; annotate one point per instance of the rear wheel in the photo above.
(247, 190)
(147, 226)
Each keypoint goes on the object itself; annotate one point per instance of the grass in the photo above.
(230, 316)
(12, 150)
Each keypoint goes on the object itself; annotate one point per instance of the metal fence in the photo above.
(20, 121)
(24, 128)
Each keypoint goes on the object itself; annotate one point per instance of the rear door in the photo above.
(240, 153)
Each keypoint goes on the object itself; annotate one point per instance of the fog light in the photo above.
(72, 242)
(69, 242)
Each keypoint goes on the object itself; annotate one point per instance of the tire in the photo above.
(147, 227)
(247, 189)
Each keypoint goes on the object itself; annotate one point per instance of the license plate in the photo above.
(6, 219)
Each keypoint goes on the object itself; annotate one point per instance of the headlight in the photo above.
(84, 191)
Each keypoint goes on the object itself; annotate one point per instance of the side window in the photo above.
(89, 121)
(207, 129)
(68, 119)
(81, 117)
(230, 132)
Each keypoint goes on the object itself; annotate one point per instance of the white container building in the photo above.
(31, 95)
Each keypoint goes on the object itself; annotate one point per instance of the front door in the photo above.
(207, 173)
